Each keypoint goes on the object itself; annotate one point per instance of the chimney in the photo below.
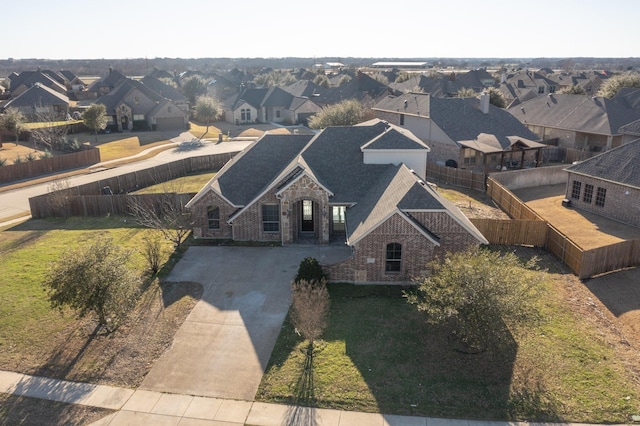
(484, 102)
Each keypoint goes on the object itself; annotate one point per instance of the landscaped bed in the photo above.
(379, 355)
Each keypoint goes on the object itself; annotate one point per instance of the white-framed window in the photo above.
(338, 217)
(245, 114)
(271, 218)
(393, 262)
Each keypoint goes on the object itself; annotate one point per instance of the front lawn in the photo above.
(380, 355)
(185, 184)
(35, 339)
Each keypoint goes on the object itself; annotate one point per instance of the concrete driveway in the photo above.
(223, 347)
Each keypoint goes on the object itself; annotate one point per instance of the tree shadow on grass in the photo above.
(414, 368)
(303, 412)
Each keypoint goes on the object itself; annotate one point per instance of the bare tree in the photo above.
(310, 308)
(164, 212)
(51, 132)
(58, 198)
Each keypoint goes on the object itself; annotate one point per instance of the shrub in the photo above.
(18, 160)
(30, 157)
(46, 154)
(310, 270)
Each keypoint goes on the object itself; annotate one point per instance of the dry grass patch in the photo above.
(126, 147)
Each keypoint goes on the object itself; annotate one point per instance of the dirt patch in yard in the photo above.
(587, 230)
(474, 204)
(122, 358)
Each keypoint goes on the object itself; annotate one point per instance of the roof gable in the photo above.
(38, 95)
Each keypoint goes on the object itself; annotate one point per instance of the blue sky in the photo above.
(66, 29)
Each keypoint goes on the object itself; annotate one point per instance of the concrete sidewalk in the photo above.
(141, 407)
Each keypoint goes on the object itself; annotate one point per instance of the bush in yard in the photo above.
(152, 251)
(96, 280)
(310, 270)
(483, 295)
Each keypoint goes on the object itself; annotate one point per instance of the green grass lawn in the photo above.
(26, 250)
(185, 184)
(380, 355)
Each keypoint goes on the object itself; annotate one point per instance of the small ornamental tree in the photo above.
(95, 280)
(13, 121)
(207, 110)
(95, 118)
(483, 295)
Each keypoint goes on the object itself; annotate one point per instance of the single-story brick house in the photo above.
(350, 184)
(608, 184)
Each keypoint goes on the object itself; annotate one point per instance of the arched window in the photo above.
(213, 217)
(394, 257)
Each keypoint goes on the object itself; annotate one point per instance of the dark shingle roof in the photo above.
(575, 112)
(621, 165)
(252, 171)
(31, 78)
(38, 95)
(632, 128)
(460, 118)
(163, 89)
(275, 96)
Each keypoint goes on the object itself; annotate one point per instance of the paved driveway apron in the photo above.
(223, 347)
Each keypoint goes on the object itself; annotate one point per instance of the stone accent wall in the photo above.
(201, 223)
(622, 203)
(304, 188)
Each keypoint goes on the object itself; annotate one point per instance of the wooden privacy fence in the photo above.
(29, 169)
(509, 203)
(71, 201)
(513, 232)
(528, 228)
(103, 205)
(457, 177)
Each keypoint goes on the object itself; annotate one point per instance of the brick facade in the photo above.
(200, 221)
(369, 256)
(621, 203)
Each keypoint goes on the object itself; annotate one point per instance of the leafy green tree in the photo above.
(496, 97)
(94, 280)
(194, 86)
(207, 110)
(95, 118)
(345, 113)
(574, 89)
(274, 78)
(322, 81)
(13, 121)
(611, 86)
(483, 295)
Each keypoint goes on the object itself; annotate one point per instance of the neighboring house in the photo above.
(345, 184)
(40, 103)
(530, 80)
(608, 184)
(268, 105)
(105, 85)
(166, 92)
(575, 121)
(305, 89)
(19, 83)
(630, 97)
(131, 105)
(468, 133)
(362, 87)
(630, 132)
